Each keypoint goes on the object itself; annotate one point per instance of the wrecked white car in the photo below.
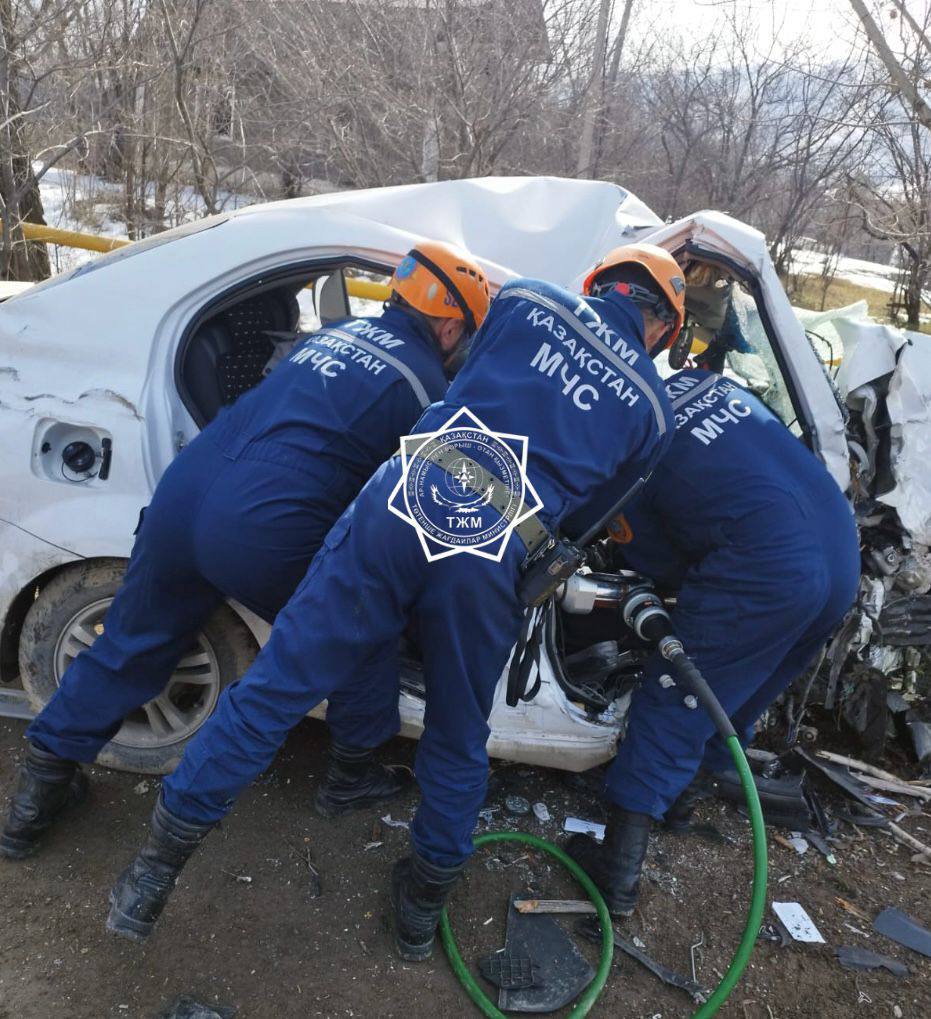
(107, 371)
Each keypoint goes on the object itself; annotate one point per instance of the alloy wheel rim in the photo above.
(182, 707)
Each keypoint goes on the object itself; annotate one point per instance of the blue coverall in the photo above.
(573, 377)
(743, 519)
(242, 510)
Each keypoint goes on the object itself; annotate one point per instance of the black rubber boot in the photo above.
(678, 819)
(419, 890)
(47, 786)
(616, 864)
(354, 780)
(140, 894)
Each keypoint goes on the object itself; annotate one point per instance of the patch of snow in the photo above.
(852, 270)
(63, 191)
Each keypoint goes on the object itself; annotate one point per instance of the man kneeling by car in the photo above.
(240, 514)
(761, 545)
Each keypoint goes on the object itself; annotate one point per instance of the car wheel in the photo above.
(67, 618)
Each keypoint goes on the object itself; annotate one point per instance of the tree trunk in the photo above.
(20, 200)
(594, 95)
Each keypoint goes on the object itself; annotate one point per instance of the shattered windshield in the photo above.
(750, 357)
(728, 337)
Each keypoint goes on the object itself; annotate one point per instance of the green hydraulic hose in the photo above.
(757, 898)
(594, 989)
(758, 895)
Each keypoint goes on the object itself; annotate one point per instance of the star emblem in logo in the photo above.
(464, 488)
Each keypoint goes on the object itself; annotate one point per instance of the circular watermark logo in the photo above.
(464, 488)
(467, 490)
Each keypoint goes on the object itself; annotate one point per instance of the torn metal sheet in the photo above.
(869, 351)
(580, 826)
(909, 407)
(797, 922)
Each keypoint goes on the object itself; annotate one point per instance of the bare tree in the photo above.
(25, 36)
(893, 194)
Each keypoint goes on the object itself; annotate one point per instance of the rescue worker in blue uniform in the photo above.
(572, 374)
(755, 535)
(241, 512)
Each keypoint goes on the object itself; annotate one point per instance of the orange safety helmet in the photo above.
(442, 281)
(662, 268)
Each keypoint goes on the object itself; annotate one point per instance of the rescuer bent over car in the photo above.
(241, 512)
(340, 630)
(761, 545)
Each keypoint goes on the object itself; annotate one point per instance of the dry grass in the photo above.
(807, 294)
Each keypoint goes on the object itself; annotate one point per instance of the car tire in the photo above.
(64, 619)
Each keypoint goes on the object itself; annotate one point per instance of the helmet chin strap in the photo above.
(643, 298)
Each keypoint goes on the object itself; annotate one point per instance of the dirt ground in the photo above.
(274, 950)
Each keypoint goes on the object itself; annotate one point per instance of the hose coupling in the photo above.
(670, 647)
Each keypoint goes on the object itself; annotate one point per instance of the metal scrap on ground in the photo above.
(797, 922)
(904, 930)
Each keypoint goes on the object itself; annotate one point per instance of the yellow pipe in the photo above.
(72, 238)
(366, 289)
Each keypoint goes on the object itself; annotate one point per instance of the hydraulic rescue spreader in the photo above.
(643, 611)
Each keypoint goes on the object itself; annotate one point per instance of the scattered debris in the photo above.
(541, 812)
(187, 1007)
(851, 957)
(797, 922)
(783, 799)
(554, 906)
(883, 801)
(371, 845)
(695, 950)
(591, 929)
(553, 952)
(390, 821)
(820, 843)
(517, 806)
(509, 972)
(798, 843)
(839, 776)
(923, 854)
(868, 769)
(776, 933)
(142, 788)
(582, 827)
(851, 908)
(904, 930)
(314, 883)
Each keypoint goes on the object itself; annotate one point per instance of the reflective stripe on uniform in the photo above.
(574, 322)
(416, 385)
(697, 391)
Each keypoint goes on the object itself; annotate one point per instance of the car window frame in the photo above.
(250, 287)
